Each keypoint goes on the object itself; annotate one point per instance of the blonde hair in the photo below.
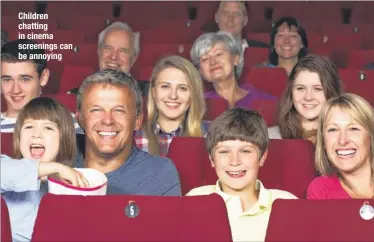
(195, 113)
(360, 110)
(49, 109)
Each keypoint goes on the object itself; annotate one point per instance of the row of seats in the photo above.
(85, 30)
(201, 218)
(355, 12)
(288, 161)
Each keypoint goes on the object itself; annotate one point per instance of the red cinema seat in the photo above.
(360, 82)
(10, 23)
(99, 8)
(305, 12)
(69, 100)
(151, 53)
(6, 232)
(270, 80)
(82, 55)
(214, 107)
(360, 58)
(268, 110)
(254, 56)
(341, 44)
(9, 8)
(73, 77)
(326, 220)
(7, 144)
(88, 24)
(154, 10)
(188, 155)
(289, 166)
(322, 51)
(362, 12)
(264, 37)
(65, 37)
(145, 73)
(104, 218)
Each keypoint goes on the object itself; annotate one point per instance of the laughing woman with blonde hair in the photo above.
(344, 150)
(175, 107)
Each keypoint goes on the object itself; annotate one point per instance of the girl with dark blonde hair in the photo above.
(312, 82)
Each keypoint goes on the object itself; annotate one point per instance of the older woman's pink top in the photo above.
(326, 187)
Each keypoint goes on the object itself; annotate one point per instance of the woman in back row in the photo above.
(312, 82)
(288, 44)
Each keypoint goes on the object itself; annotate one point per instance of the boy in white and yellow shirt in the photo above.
(237, 143)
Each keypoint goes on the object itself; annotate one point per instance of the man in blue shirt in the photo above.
(109, 111)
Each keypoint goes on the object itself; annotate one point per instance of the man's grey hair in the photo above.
(205, 43)
(112, 77)
(124, 27)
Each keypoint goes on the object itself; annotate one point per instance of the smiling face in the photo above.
(287, 42)
(231, 17)
(108, 117)
(218, 64)
(116, 52)
(307, 95)
(237, 163)
(347, 143)
(20, 83)
(172, 94)
(39, 140)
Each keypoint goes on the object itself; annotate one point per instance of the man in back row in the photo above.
(119, 48)
(232, 17)
(109, 111)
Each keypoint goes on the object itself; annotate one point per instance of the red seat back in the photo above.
(270, 80)
(360, 82)
(69, 100)
(73, 77)
(7, 144)
(188, 155)
(151, 53)
(268, 110)
(214, 107)
(327, 220)
(360, 58)
(289, 166)
(6, 232)
(254, 56)
(103, 218)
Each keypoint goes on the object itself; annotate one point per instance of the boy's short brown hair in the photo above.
(49, 109)
(238, 124)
